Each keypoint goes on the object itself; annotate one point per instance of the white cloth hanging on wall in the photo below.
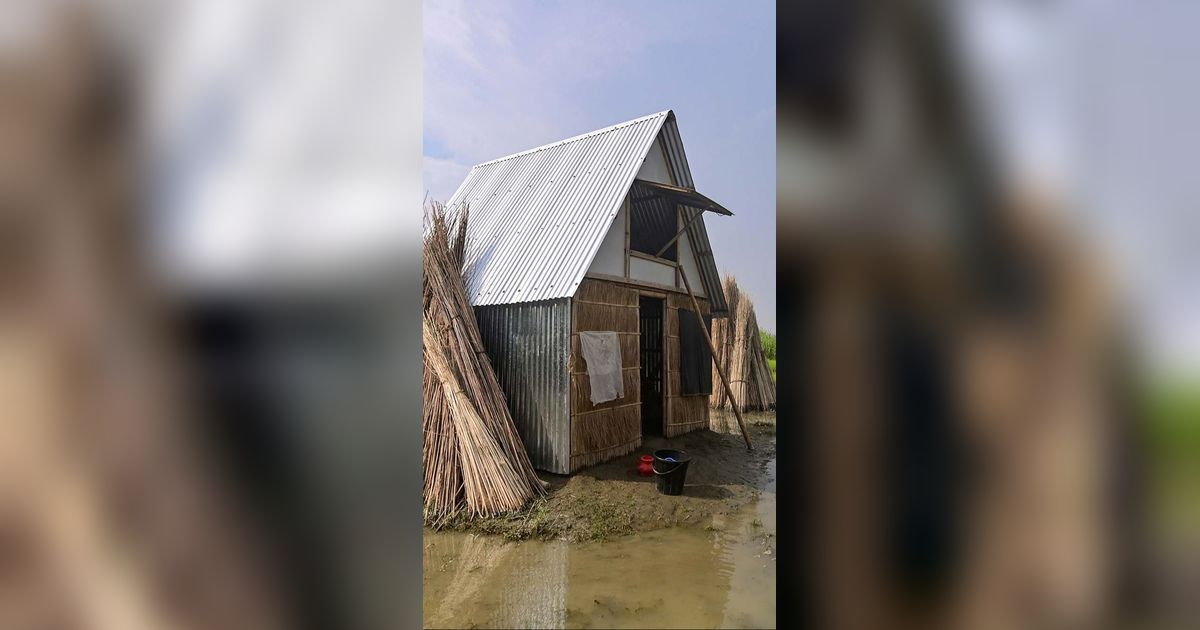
(602, 351)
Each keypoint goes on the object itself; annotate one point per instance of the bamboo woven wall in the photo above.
(683, 413)
(601, 432)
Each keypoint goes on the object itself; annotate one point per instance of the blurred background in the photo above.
(990, 287)
(208, 224)
(210, 365)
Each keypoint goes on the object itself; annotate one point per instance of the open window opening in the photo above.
(653, 223)
(695, 357)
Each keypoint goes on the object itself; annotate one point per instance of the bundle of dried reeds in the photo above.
(740, 354)
(443, 479)
(474, 459)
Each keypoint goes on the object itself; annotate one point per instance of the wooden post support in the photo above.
(677, 234)
(724, 381)
(628, 211)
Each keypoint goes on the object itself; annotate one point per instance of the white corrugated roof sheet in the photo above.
(539, 216)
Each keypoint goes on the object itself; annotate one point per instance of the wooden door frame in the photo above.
(666, 359)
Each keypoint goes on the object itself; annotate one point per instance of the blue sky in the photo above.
(501, 77)
(1093, 98)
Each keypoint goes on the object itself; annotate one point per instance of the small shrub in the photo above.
(768, 344)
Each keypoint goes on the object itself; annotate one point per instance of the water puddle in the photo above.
(719, 576)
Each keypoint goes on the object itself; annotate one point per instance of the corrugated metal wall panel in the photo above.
(528, 344)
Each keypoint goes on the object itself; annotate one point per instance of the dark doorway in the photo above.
(650, 344)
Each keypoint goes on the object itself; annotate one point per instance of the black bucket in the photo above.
(670, 474)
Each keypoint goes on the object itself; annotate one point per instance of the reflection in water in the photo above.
(503, 584)
(723, 576)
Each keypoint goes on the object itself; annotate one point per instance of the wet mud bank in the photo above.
(611, 500)
(592, 555)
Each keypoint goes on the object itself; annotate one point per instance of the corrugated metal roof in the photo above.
(538, 216)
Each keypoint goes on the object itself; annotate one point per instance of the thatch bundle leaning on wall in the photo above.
(740, 354)
(473, 457)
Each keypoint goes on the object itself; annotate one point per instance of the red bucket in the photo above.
(645, 466)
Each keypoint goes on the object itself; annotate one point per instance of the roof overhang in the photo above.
(683, 196)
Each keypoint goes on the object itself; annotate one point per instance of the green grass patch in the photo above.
(608, 521)
(768, 343)
(1170, 438)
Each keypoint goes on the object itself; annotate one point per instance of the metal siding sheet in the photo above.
(528, 345)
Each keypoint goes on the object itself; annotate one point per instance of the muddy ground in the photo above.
(610, 499)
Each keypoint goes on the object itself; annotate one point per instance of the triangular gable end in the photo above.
(665, 162)
(539, 217)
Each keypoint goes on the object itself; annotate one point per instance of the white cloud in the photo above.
(499, 80)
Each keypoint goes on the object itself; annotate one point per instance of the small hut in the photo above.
(603, 232)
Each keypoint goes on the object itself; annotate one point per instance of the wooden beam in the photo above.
(652, 258)
(628, 211)
(579, 301)
(633, 282)
(678, 234)
(591, 411)
(624, 369)
(720, 372)
(684, 196)
(666, 368)
(679, 211)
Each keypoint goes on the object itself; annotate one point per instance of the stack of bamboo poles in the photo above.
(473, 457)
(740, 353)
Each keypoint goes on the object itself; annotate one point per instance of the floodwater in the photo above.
(720, 576)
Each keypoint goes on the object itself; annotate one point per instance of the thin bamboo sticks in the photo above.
(474, 459)
(490, 482)
(707, 339)
(740, 354)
